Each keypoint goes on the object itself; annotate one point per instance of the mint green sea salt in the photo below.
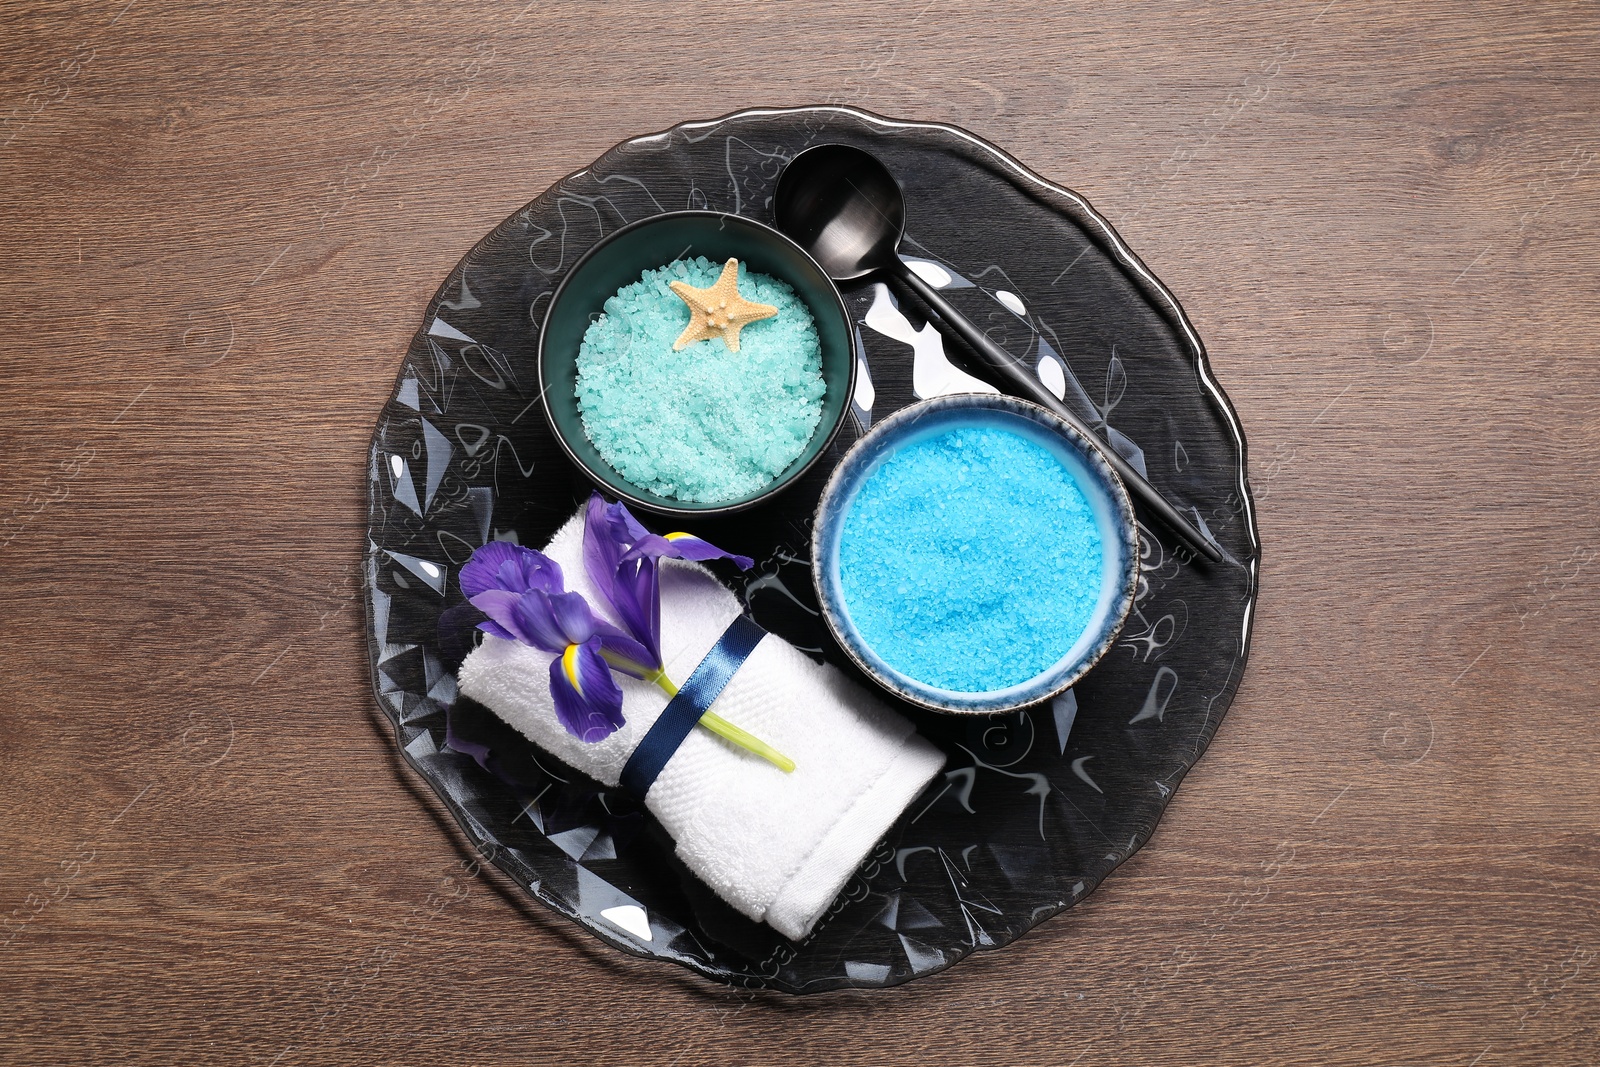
(704, 424)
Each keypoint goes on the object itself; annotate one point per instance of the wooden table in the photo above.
(222, 223)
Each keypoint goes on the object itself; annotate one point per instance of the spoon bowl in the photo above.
(844, 207)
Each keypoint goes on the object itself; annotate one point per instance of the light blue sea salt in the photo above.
(970, 560)
(704, 424)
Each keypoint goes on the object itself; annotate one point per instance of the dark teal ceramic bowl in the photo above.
(617, 261)
(1108, 502)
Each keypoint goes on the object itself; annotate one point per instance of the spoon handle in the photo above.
(1031, 388)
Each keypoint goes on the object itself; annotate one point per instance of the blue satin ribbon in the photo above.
(694, 699)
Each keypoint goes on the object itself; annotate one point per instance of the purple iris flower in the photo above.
(522, 593)
(621, 558)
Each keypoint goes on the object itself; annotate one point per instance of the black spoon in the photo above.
(845, 208)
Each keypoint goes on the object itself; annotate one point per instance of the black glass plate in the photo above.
(1036, 807)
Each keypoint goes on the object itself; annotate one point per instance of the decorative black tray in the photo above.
(1035, 808)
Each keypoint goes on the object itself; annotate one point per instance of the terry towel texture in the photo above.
(778, 847)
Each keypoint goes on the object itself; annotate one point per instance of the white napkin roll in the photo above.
(778, 847)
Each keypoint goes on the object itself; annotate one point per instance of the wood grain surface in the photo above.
(221, 224)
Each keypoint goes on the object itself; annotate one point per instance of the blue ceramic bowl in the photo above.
(1108, 500)
(649, 243)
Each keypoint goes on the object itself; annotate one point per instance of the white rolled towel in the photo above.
(777, 846)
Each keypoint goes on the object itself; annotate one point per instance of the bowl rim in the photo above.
(772, 488)
(951, 701)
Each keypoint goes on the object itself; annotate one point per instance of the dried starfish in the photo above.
(718, 311)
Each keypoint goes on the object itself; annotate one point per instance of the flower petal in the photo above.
(541, 572)
(500, 605)
(624, 527)
(636, 596)
(571, 613)
(682, 546)
(609, 530)
(534, 621)
(588, 700)
(630, 588)
(482, 571)
(627, 655)
(503, 565)
(494, 629)
(601, 551)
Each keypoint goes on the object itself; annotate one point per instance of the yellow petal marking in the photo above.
(569, 664)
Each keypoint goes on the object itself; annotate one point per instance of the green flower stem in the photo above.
(731, 733)
(727, 731)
